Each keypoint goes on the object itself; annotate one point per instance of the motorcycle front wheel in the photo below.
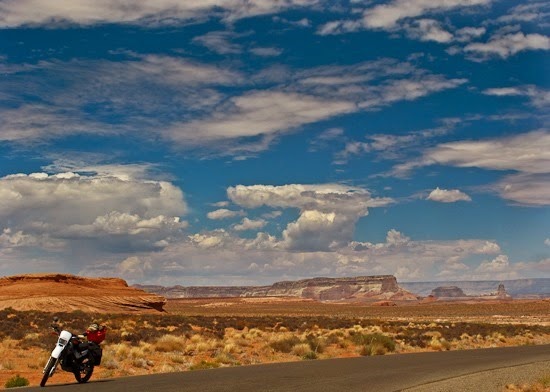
(84, 371)
(47, 370)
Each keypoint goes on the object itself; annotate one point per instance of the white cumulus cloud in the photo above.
(328, 212)
(97, 210)
(448, 196)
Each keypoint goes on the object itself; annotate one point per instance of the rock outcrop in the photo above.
(448, 292)
(501, 293)
(65, 293)
(517, 288)
(382, 287)
(452, 293)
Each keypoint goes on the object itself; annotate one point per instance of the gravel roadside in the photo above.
(488, 381)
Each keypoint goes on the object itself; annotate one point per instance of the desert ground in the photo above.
(207, 333)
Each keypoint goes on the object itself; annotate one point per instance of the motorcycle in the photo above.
(72, 354)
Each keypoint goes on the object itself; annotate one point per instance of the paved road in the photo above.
(381, 373)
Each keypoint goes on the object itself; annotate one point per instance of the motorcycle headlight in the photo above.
(62, 342)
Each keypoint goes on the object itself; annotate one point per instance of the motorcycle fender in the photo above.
(63, 336)
(57, 351)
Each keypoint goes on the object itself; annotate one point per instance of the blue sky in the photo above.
(246, 142)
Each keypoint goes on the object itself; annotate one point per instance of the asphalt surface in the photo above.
(435, 371)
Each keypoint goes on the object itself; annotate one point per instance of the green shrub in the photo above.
(16, 381)
(374, 339)
(373, 349)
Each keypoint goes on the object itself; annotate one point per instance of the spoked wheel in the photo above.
(84, 371)
(47, 370)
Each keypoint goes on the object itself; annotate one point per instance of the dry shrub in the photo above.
(204, 365)
(110, 364)
(541, 385)
(254, 332)
(284, 343)
(334, 337)
(375, 348)
(167, 368)
(230, 347)
(140, 363)
(433, 334)
(120, 351)
(226, 359)
(435, 344)
(136, 353)
(169, 343)
(196, 338)
(202, 347)
(316, 344)
(301, 349)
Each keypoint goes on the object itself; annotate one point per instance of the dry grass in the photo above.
(540, 385)
(196, 337)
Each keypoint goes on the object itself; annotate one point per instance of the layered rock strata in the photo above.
(66, 293)
(381, 287)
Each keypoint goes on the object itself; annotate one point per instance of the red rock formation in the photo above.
(361, 288)
(64, 292)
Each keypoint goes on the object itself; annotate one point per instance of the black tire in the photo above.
(84, 371)
(47, 370)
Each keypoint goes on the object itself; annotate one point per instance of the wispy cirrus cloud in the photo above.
(194, 104)
(397, 15)
(141, 12)
(526, 189)
(309, 96)
(259, 113)
(219, 42)
(392, 146)
(224, 213)
(428, 30)
(388, 15)
(536, 11)
(527, 153)
(538, 97)
(506, 45)
(266, 51)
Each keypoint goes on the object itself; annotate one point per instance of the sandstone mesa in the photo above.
(348, 289)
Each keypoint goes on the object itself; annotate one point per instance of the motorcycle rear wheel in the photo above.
(47, 370)
(84, 371)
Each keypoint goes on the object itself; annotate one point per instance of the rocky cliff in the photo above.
(65, 293)
(382, 287)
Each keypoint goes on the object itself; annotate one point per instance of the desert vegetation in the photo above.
(540, 385)
(186, 340)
